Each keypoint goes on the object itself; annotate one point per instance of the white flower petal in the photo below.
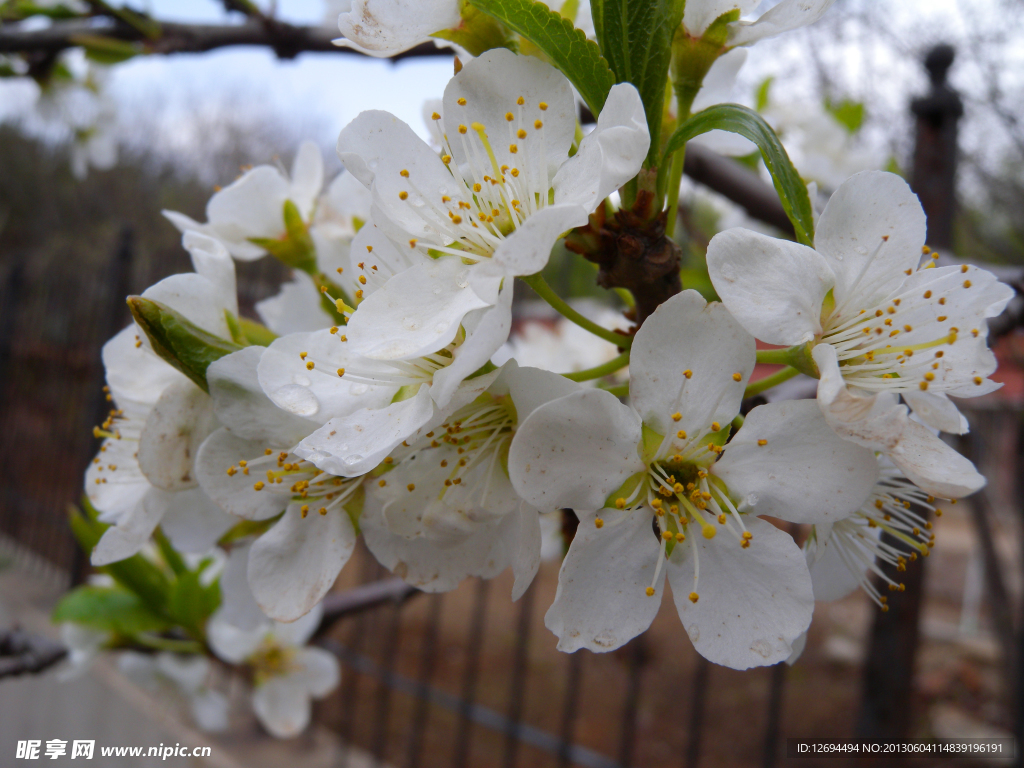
(118, 493)
(784, 17)
(574, 451)
(608, 156)
(525, 549)
(720, 81)
(295, 308)
(754, 603)
(798, 649)
(193, 522)
(831, 577)
(195, 298)
(134, 373)
(437, 566)
(282, 706)
(307, 178)
(486, 330)
(932, 465)
(235, 493)
(210, 710)
(601, 601)
(320, 670)
(700, 14)
(252, 206)
(352, 445)
(179, 422)
(298, 632)
(526, 251)
(387, 27)
(319, 394)
(295, 563)
(491, 85)
(870, 233)
(415, 313)
(237, 606)
(773, 287)
(713, 348)
(211, 260)
(937, 411)
(242, 406)
(132, 530)
(230, 643)
(530, 388)
(805, 473)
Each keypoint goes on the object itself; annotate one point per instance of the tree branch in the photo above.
(286, 40)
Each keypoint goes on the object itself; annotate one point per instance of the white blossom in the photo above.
(879, 324)
(744, 595)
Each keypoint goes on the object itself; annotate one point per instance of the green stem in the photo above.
(542, 289)
(798, 356)
(600, 370)
(674, 180)
(774, 356)
(620, 390)
(770, 381)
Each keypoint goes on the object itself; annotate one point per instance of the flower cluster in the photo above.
(382, 397)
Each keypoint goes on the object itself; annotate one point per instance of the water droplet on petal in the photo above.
(297, 399)
(861, 250)
(359, 389)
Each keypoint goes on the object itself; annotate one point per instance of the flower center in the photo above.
(890, 510)
(900, 342)
(271, 660)
(487, 201)
(287, 475)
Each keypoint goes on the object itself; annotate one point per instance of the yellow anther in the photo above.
(302, 355)
(412, 242)
(243, 463)
(737, 376)
(721, 519)
(941, 318)
(666, 535)
(598, 522)
(650, 591)
(461, 102)
(680, 537)
(403, 195)
(404, 173)
(620, 503)
(362, 279)
(543, 106)
(715, 426)
(762, 443)
(515, 173)
(341, 371)
(477, 187)
(978, 380)
(513, 148)
(456, 219)
(694, 597)
(688, 373)
(258, 486)
(463, 129)
(747, 535)
(681, 434)
(908, 328)
(322, 510)
(521, 133)
(929, 376)
(435, 116)
(923, 385)
(446, 159)
(411, 487)
(457, 480)
(310, 365)
(334, 329)
(232, 471)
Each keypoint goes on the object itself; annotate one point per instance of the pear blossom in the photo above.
(249, 467)
(84, 645)
(878, 323)
(447, 509)
(843, 555)
(493, 205)
(143, 474)
(785, 16)
(387, 27)
(287, 674)
(740, 585)
(253, 205)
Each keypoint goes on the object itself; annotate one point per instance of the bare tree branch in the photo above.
(286, 40)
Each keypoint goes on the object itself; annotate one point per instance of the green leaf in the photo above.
(568, 48)
(849, 113)
(190, 603)
(636, 39)
(255, 333)
(246, 528)
(478, 32)
(179, 341)
(110, 609)
(296, 249)
(747, 123)
(169, 553)
(763, 94)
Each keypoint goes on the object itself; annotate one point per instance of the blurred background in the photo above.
(468, 678)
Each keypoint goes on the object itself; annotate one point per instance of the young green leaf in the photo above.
(747, 123)
(568, 48)
(109, 609)
(478, 32)
(636, 39)
(179, 341)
